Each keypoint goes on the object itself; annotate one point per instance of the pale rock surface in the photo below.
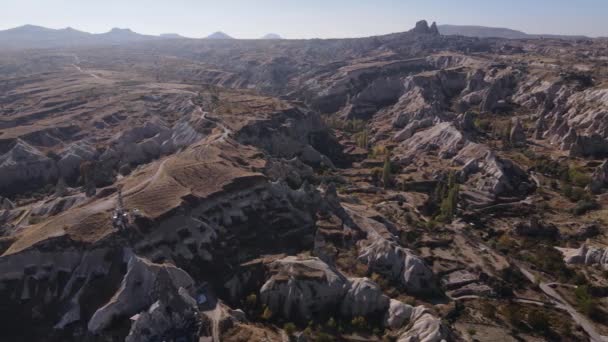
(72, 157)
(363, 297)
(24, 164)
(417, 324)
(424, 327)
(301, 287)
(388, 258)
(586, 255)
(398, 314)
(136, 291)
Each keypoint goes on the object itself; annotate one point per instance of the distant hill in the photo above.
(219, 35)
(31, 36)
(495, 32)
(272, 36)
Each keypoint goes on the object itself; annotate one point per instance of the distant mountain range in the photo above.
(30, 36)
(496, 32)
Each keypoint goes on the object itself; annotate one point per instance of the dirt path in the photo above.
(76, 65)
(560, 303)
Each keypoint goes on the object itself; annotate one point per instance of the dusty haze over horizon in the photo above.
(313, 19)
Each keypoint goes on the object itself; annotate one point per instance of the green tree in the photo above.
(267, 314)
(362, 139)
(386, 171)
(585, 302)
(449, 201)
(331, 323)
(251, 300)
(359, 323)
(289, 328)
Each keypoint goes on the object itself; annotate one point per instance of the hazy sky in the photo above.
(305, 18)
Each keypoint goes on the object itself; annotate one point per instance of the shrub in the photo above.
(584, 301)
(386, 172)
(483, 125)
(251, 300)
(578, 178)
(447, 197)
(289, 328)
(512, 314)
(488, 310)
(539, 321)
(584, 206)
(267, 314)
(362, 139)
(359, 323)
(331, 323)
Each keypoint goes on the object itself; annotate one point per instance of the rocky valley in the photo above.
(409, 187)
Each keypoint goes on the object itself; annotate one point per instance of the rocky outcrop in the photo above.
(422, 27)
(599, 179)
(497, 96)
(398, 314)
(426, 96)
(423, 326)
(586, 255)
(517, 136)
(481, 168)
(388, 258)
(574, 120)
(363, 298)
(141, 286)
(415, 323)
(25, 167)
(301, 288)
(72, 157)
(174, 316)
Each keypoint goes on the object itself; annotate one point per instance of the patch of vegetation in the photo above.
(350, 126)
(586, 303)
(362, 139)
(447, 196)
(549, 260)
(578, 177)
(289, 328)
